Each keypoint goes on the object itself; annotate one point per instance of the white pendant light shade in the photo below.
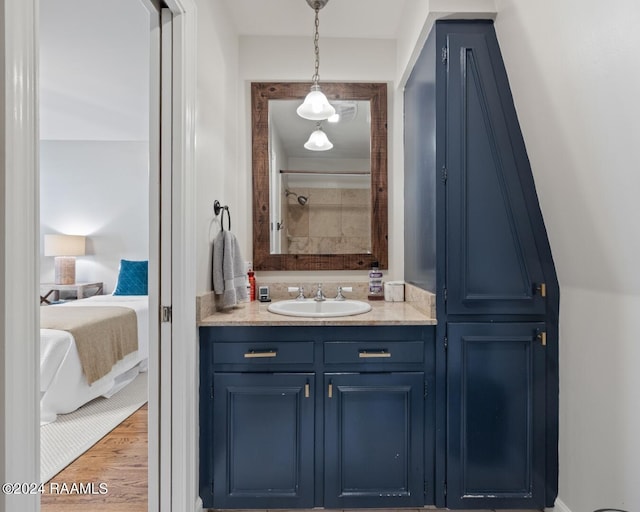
(316, 106)
(318, 141)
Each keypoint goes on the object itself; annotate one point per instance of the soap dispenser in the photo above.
(375, 283)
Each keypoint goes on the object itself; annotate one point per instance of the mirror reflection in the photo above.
(319, 188)
(321, 199)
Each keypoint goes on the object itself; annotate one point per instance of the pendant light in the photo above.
(318, 140)
(316, 107)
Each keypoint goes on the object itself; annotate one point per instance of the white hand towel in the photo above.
(229, 277)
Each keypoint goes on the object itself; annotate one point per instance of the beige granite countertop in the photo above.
(382, 313)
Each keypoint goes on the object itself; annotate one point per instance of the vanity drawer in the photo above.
(263, 353)
(373, 352)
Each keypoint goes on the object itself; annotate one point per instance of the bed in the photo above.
(63, 384)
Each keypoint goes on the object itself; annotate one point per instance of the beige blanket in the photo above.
(103, 335)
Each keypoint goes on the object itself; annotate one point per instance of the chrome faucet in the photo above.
(319, 295)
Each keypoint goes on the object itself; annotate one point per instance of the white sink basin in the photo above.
(323, 309)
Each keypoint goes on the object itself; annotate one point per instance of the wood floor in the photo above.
(118, 461)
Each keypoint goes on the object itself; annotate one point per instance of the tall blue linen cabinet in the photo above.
(475, 236)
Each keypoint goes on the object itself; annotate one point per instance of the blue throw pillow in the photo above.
(133, 278)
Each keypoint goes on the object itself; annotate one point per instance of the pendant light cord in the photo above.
(316, 75)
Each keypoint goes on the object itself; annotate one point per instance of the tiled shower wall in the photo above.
(333, 221)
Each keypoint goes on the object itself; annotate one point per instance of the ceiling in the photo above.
(339, 18)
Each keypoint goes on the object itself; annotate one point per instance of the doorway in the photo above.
(174, 443)
(100, 161)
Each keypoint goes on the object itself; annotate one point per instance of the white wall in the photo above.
(94, 131)
(217, 131)
(270, 58)
(94, 70)
(575, 77)
(98, 189)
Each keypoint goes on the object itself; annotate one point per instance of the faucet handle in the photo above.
(341, 289)
(297, 289)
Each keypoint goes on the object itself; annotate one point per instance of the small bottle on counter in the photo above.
(252, 284)
(375, 283)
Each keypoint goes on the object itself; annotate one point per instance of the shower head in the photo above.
(302, 200)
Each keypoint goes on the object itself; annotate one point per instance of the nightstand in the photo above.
(82, 290)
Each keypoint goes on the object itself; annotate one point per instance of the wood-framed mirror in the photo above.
(319, 210)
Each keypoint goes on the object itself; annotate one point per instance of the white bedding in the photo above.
(63, 386)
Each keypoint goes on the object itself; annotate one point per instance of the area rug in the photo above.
(64, 440)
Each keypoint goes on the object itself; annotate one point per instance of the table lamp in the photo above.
(65, 248)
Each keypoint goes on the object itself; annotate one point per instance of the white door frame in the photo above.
(20, 375)
(19, 403)
(156, 163)
(183, 380)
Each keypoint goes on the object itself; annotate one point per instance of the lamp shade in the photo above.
(318, 141)
(316, 106)
(64, 245)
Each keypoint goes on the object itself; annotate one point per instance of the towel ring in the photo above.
(217, 208)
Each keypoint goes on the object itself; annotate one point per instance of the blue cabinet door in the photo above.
(496, 416)
(263, 437)
(374, 440)
(493, 223)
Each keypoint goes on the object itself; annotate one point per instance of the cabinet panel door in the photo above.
(496, 443)
(263, 440)
(374, 440)
(493, 265)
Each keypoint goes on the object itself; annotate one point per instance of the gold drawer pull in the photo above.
(374, 354)
(262, 353)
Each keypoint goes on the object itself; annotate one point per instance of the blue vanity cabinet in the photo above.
(263, 438)
(374, 440)
(379, 419)
(476, 238)
(257, 419)
(317, 416)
